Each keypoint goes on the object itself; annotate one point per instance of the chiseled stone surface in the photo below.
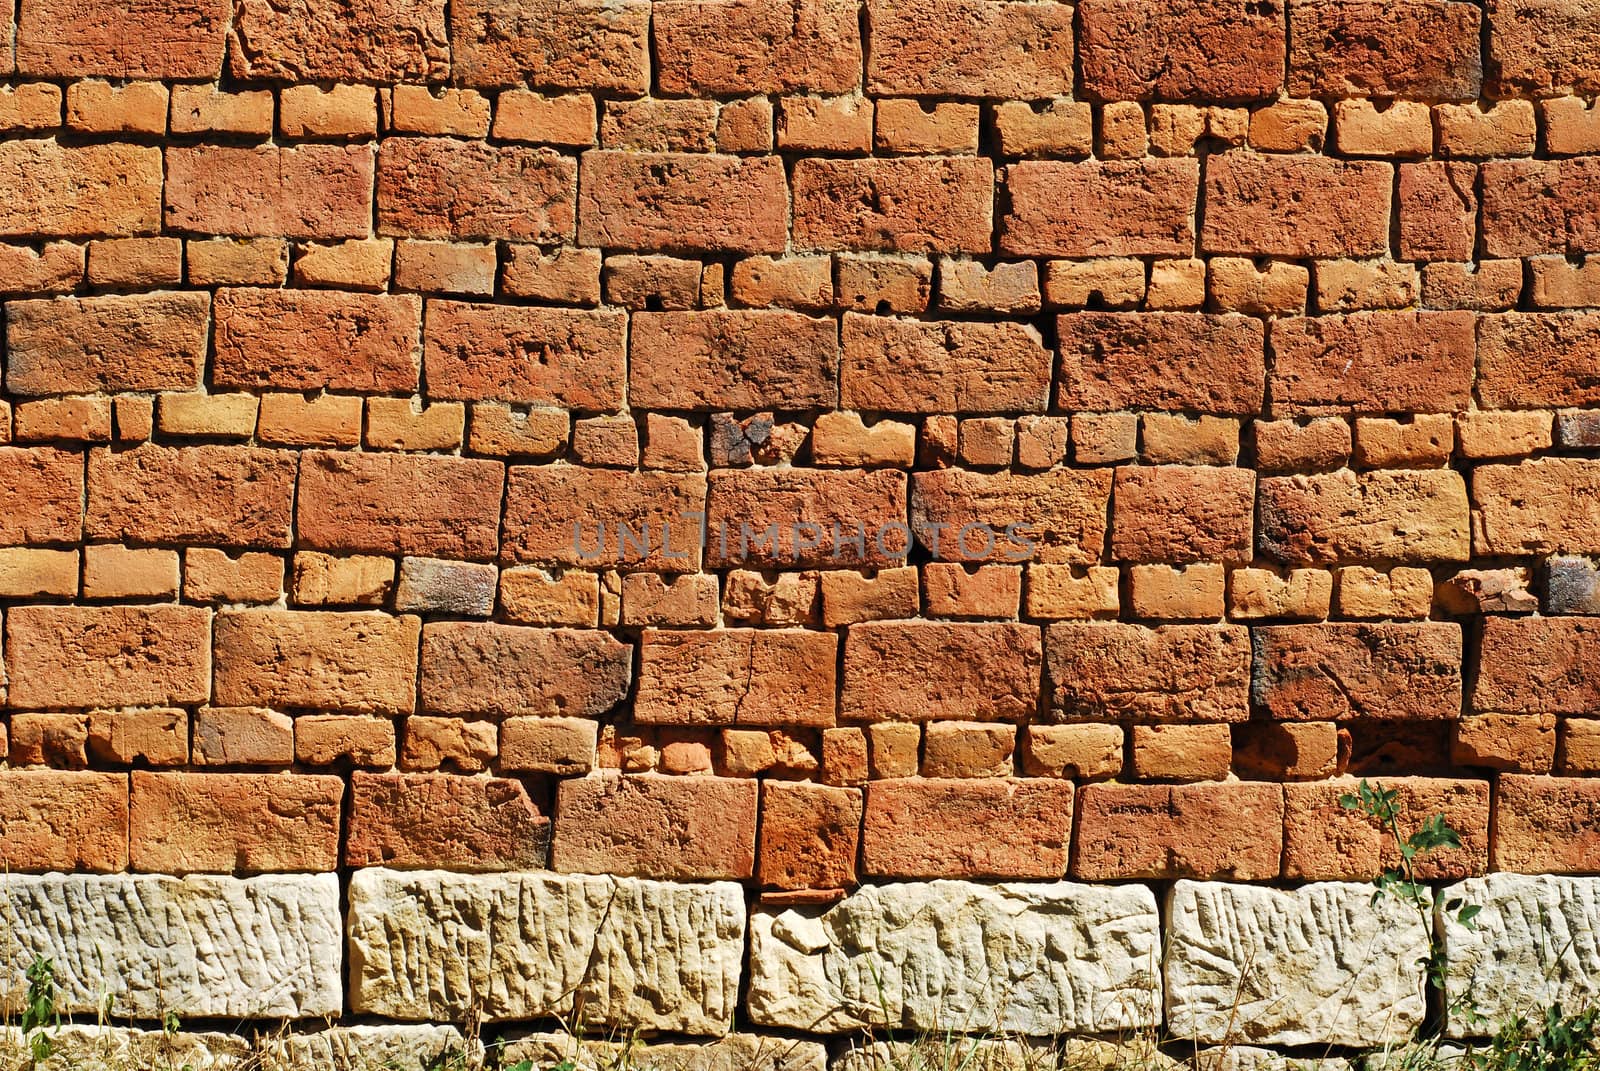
(1032, 959)
(91, 1048)
(366, 1048)
(736, 1052)
(1319, 965)
(200, 946)
(1536, 942)
(634, 954)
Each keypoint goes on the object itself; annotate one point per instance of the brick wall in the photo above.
(398, 400)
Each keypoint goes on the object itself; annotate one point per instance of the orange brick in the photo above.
(182, 823)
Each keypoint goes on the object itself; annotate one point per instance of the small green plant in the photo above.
(39, 1012)
(1562, 1043)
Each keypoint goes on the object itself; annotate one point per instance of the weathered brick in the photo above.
(689, 201)
(726, 360)
(138, 342)
(1543, 48)
(1182, 513)
(1537, 507)
(1510, 743)
(308, 340)
(541, 356)
(784, 518)
(1438, 210)
(707, 47)
(380, 503)
(1101, 671)
(735, 677)
(1337, 671)
(566, 515)
(226, 496)
(448, 188)
(1372, 362)
(927, 670)
(1541, 206)
(810, 836)
(342, 662)
(1057, 516)
(1230, 832)
(323, 41)
(185, 823)
(90, 190)
(73, 38)
(81, 657)
(63, 820)
(911, 204)
(1542, 359)
(1213, 50)
(1323, 841)
(1161, 360)
(657, 827)
(909, 366)
(1565, 651)
(504, 670)
(308, 191)
(560, 44)
(1099, 209)
(1402, 516)
(1547, 825)
(1427, 49)
(967, 828)
(443, 821)
(1296, 206)
(970, 48)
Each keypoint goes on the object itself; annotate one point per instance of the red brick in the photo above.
(737, 676)
(713, 47)
(1102, 671)
(563, 357)
(138, 342)
(970, 48)
(649, 826)
(1541, 206)
(183, 823)
(1547, 825)
(328, 41)
(1372, 362)
(1438, 210)
(690, 201)
(315, 339)
(309, 191)
(1538, 359)
(225, 496)
(1230, 832)
(63, 820)
(592, 45)
(386, 503)
(1183, 513)
(1059, 516)
(1566, 652)
(1213, 50)
(1423, 49)
(1161, 360)
(1337, 671)
(73, 38)
(325, 662)
(808, 506)
(81, 657)
(444, 821)
(567, 515)
(967, 828)
(1536, 507)
(1543, 48)
(911, 204)
(810, 835)
(505, 670)
(93, 190)
(927, 670)
(914, 366)
(1296, 206)
(1330, 518)
(448, 188)
(1325, 842)
(1099, 209)
(746, 359)
(41, 496)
